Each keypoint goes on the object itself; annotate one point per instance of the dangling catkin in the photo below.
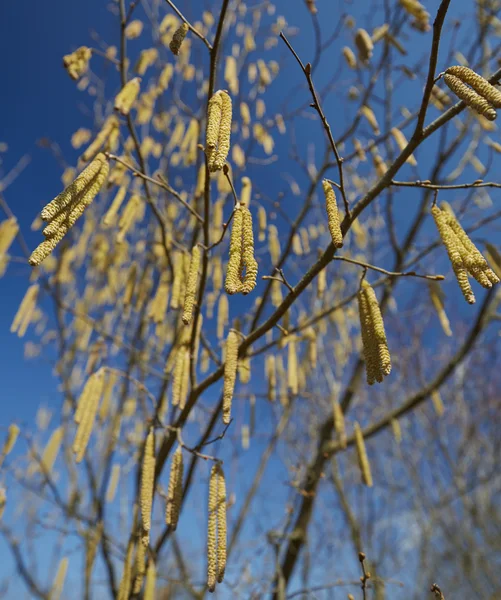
(222, 315)
(233, 283)
(402, 143)
(248, 260)
(191, 285)
(127, 96)
(221, 526)
(51, 451)
(10, 441)
(436, 296)
(178, 38)
(151, 580)
(86, 413)
(478, 83)
(57, 586)
(25, 311)
(363, 460)
(397, 430)
(451, 243)
(363, 42)
(147, 480)
(230, 373)
(332, 214)
(339, 423)
(378, 329)
(140, 566)
(126, 581)
(218, 120)
(292, 366)
(175, 491)
(438, 405)
(213, 125)
(113, 483)
(212, 530)
(470, 97)
(105, 135)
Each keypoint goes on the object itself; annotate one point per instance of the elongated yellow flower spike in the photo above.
(402, 143)
(140, 567)
(379, 333)
(151, 581)
(339, 423)
(58, 585)
(110, 217)
(212, 530)
(182, 367)
(363, 42)
(368, 113)
(233, 284)
(230, 373)
(191, 285)
(332, 214)
(77, 63)
(126, 582)
(8, 231)
(249, 263)
(292, 367)
(127, 96)
(218, 121)
(113, 483)
(62, 222)
(363, 460)
(451, 243)
(222, 315)
(436, 296)
(221, 526)
(350, 57)
(25, 311)
(175, 491)
(10, 441)
(478, 83)
(86, 412)
(213, 125)
(103, 137)
(147, 480)
(470, 97)
(178, 38)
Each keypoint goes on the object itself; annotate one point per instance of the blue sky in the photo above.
(38, 100)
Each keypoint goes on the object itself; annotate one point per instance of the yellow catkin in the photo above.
(436, 296)
(92, 541)
(222, 315)
(273, 244)
(339, 423)
(359, 150)
(8, 231)
(350, 57)
(478, 83)
(451, 243)
(25, 311)
(212, 530)
(397, 430)
(130, 284)
(368, 113)
(249, 263)
(470, 97)
(126, 581)
(3, 501)
(321, 283)
(61, 224)
(113, 484)
(178, 283)
(127, 96)
(147, 480)
(262, 218)
(181, 367)
(332, 214)
(438, 405)
(175, 491)
(218, 158)
(494, 258)
(110, 217)
(151, 580)
(378, 329)
(402, 143)
(221, 526)
(230, 373)
(57, 586)
(110, 126)
(11, 439)
(271, 376)
(51, 451)
(363, 460)
(363, 42)
(292, 366)
(214, 114)
(77, 63)
(191, 285)
(134, 29)
(178, 38)
(233, 284)
(140, 566)
(86, 413)
(246, 193)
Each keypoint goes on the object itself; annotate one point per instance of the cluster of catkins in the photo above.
(474, 90)
(465, 257)
(77, 63)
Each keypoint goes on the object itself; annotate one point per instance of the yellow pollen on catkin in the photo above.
(363, 460)
(262, 218)
(378, 329)
(332, 214)
(218, 130)
(24, 313)
(178, 283)
(221, 526)
(86, 412)
(178, 38)
(363, 42)
(230, 373)
(470, 97)
(397, 430)
(110, 217)
(191, 285)
(147, 480)
(478, 83)
(368, 113)
(248, 262)
(436, 296)
(175, 491)
(438, 405)
(212, 530)
(350, 57)
(233, 284)
(140, 567)
(77, 63)
(51, 451)
(214, 113)
(127, 96)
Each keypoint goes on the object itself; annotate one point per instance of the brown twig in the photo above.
(437, 591)
(365, 575)
(192, 29)
(389, 273)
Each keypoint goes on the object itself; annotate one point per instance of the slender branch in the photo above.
(390, 273)
(479, 183)
(192, 29)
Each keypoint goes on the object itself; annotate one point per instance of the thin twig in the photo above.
(385, 272)
(479, 183)
(192, 29)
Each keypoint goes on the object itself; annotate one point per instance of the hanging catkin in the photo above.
(10, 441)
(212, 530)
(218, 130)
(292, 366)
(332, 214)
(339, 423)
(470, 97)
(85, 414)
(363, 42)
(77, 63)
(178, 38)
(57, 586)
(127, 96)
(363, 460)
(376, 354)
(175, 491)
(230, 373)
(25, 311)
(249, 263)
(397, 430)
(478, 83)
(233, 283)
(51, 451)
(140, 567)
(221, 525)
(213, 125)
(436, 296)
(222, 315)
(151, 580)
(147, 480)
(103, 138)
(126, 581)
(113, 483)
(191, 285)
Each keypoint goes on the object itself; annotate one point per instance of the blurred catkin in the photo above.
(147, 480)
(332, 214)
(230, 373)
(127, 96)
(191, 285)
(175, 491)
(363, 460)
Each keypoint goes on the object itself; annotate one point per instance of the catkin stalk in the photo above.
(86, 414)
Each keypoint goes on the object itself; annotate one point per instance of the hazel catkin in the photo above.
(230, 373)
(332, 214)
